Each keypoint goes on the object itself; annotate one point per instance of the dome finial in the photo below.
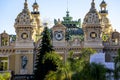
(4, 31)
(25, 4)
(93, 4)
(59, 22)
(103, 4)
(67, 13)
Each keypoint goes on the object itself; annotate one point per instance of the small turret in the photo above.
(103, 6)
(107, 28)
(35, 8)
(38, 26)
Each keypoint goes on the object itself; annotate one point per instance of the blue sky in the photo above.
(54, 9)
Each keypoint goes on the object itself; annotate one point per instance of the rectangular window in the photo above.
(3, 63)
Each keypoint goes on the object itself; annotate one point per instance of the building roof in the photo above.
(103, 3)
(92, 17)
(73, 27)
(24, 17)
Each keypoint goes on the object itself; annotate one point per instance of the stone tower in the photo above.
(24, 26)
(92, 29)
(38, 27)
(107, 28)
(58, 34)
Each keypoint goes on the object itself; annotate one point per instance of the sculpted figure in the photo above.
(23, 62)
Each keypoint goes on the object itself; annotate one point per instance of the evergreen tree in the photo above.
(41, 69)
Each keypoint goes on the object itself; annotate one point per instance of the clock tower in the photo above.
(58, 33)
(93, 29)
(24, 25)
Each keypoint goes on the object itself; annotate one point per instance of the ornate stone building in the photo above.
(96, 32)
(17, 51)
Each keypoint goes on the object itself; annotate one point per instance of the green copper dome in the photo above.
(73, 27)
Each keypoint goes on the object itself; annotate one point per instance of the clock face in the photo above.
(58, 35)
(93, 35)
(24, 35)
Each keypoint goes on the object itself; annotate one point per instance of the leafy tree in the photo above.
(63, 69)
(117, 66)
(67, 35)
(91, 71)
(109, 73)
(78, 63)
(97, 72)
(1, 77)
(62, 73)
(68, 70)
(41, 69)
(5, 76)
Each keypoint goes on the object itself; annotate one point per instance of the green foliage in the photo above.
(63, 69)
(5, 76)
(78, 63)
(72, 68)
(41, 69)
(97, 71)
(54, 57)
(1, 77)
(67, 36)
(86, 52)
(117, 66)
(91, 71)
(51, 76)
(75, 62)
